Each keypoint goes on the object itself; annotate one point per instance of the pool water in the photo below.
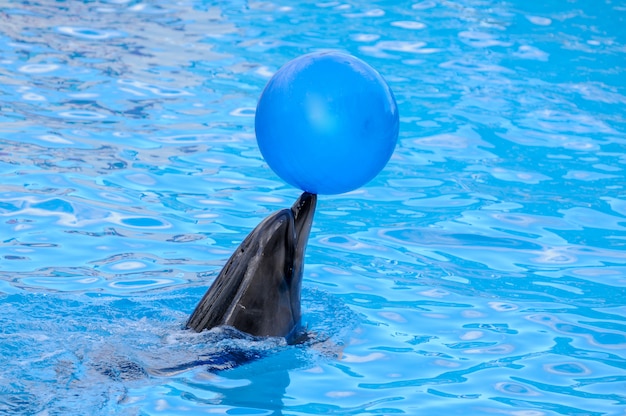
(482, 272)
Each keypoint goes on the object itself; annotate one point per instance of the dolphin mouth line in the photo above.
(303, 212)
(258, 290)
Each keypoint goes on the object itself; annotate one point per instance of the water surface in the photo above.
(482, 272)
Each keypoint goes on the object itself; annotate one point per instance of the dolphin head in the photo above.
(258, 290)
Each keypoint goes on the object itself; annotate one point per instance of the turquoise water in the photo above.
(482, 272)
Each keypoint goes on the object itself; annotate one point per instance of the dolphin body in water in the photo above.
(257, 294)
(258, 290)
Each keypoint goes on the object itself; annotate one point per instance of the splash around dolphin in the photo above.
(258, 290)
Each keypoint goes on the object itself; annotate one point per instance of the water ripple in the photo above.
(88, 33)
(38, 68)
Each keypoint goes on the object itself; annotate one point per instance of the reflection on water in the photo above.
(483, 271)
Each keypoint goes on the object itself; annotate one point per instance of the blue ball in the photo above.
(327, 123)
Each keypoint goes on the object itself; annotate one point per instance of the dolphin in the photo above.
(258, 290)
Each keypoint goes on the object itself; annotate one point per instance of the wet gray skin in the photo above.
(258, 290)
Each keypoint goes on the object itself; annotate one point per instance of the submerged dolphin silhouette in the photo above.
(258, 290)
